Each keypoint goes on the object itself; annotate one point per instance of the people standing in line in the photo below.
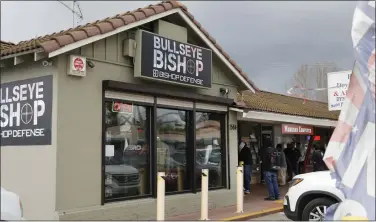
(270, 161)
(245, 156)
(283, 170)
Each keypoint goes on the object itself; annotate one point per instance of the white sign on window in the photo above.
(338, 83)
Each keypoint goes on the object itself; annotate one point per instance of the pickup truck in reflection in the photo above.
(121, 180)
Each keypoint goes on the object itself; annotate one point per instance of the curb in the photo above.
(257, 214)
(254, 214)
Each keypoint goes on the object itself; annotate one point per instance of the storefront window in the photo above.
(130, 167)
(210, 149)
(127, 156)
(172, 133)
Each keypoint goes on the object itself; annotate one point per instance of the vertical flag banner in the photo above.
(351, 151)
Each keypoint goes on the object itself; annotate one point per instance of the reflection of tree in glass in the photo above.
(171, 120)
(201, 117)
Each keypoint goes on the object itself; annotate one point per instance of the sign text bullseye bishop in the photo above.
(26, 107)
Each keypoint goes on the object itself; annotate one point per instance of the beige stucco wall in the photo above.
(63, 180)
(79, 138)
(30, 171)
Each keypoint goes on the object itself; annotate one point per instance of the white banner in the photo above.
(337, 87)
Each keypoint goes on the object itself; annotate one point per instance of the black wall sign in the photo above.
(173, 61)
(26, 112)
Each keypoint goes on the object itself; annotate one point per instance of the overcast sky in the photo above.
(269, 40)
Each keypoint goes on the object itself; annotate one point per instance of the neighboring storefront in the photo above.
(283, 119)
(90, 120)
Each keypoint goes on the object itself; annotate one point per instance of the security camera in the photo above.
(90, 64)
(224, 91)
(46, 63)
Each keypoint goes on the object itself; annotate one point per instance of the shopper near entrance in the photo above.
(245, 156)
(282, 172)
(271, 162)
(317, 158)
(302, 151)
(288, 153)
(292, 155)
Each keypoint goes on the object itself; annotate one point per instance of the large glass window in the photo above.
(210, 148)
(172, 133)
(138, 143)
(127, 156)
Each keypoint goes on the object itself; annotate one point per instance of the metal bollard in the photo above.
(239, 189)
(161, 196)
(204, 194)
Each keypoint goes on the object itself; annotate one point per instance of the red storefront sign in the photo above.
(122, 107)
(297, 129)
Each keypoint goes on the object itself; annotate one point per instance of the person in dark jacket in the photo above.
(296, 156)
(288, 154)
(270, 174)
(245, 156)
(317, 159)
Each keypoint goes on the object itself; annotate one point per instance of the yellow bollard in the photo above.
(161, 190)
(239, 189)
(204, 194)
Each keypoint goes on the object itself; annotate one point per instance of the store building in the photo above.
(284, 119)
(91, 114)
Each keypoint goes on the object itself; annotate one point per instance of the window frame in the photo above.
(224, 149)
(189, 113)
(151, 109)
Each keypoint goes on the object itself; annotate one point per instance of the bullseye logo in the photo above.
(191, 66)
(26, 110)
(26, 113)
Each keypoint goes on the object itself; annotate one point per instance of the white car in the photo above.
(11, 206)
(309, 196)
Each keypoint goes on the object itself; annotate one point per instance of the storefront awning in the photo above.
(283, 118)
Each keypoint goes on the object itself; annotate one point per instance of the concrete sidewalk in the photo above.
(254, 206)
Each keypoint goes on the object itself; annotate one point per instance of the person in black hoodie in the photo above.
(288, 154)
(317, 159)
(245, 156)
(270, 174)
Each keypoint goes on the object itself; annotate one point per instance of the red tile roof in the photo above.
(55, 41)
(283, 104)
(6, 45)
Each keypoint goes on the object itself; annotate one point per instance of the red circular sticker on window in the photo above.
(78, 64)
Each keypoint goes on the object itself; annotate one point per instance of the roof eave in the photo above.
(18, 58)
(92, 39)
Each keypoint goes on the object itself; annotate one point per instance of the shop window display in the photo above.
(172, 133)
(128, 134)
(127, 156)
(209, 148)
